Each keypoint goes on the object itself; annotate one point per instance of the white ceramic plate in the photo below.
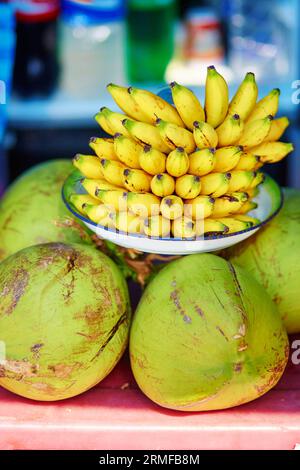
(270, 200)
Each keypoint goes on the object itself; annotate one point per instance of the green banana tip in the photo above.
(104, 108)
(277, 91)
(250, 76)
(236, 117)
(158, 121)
(173, 84)
(211, 67)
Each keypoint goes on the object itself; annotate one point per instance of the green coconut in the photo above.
(32, 210)
(64, 320)
(272, 256)
(206, 336)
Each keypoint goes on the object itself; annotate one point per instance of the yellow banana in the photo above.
(214, 227)
(266, 106)
(258, 179)
(215, 184)
(248, 162)
(187, 105)
(228, 205)
(128, 223)
(240, 181)
(178, 162)
(230, 131)
(227, 158)
(95, 212)
(188, 186)
(248, 206)
(114, 121)
(255, 132)
(88, 165)
(199, 208)
(152, 160)
(155, 107)
(184, 228)
(127, 150)
(146, 134)
(79, 200)
(113, 171)
(157, 226)
(171, 207)
(175, 136)
(202, 162)
(245, 98)
(205, 135)
(137, 181)
(126, 103)
(162, 185)
(272, 152)
(235, 225)
(103, 148)
(216, 98)
(278, 126)
(91, 185)
(115, 200)
(143, 204)
(247, 218)
(102, 121)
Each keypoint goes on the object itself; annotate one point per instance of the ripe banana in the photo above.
(247, 218)
(255, 132)
(278, 126)
(146, 134)
(178, 162)
(227, 158)
(214, 227)
(216, 98)
(95, 213)
(245, 98)
(188, 186)
(230, 131)
(137, 181)
(152, 160)
(92, 185)
(128, 223)
(272, 152)
(143, 204)
(127, 150)
(171, 207)
(215, 184)
(155, 107)
(176, 136)
(248, 206)
(199, 208)
(88, 165)
(157, 226)
(162, 185)
(126, 103)
(114, 121)
(102, 121)
(187, 105)
(228, 205)
(248, 162)
(78, 201)
(240, 181)
(113, 171)
(258, 179)
(103, 148)
(115, 200)
(234, 225)
(205, 135)
(202, 162)
(184, 228)
(266, 106)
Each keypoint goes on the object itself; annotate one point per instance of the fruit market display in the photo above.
(224, 342)
(272, 256)
(182, 170)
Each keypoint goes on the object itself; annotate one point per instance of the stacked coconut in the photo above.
(182, 170)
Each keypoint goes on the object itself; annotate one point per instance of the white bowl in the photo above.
(270, 200)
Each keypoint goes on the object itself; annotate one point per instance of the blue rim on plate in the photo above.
(72, 185)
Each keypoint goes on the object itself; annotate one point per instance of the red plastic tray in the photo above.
(116, 415)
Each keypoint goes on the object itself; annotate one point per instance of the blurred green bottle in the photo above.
(150, 39)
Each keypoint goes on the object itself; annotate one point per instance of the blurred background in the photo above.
(56, 57)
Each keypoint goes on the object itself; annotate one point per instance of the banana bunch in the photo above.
(183, 170)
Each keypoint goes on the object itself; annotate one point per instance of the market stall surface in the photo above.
(116, 415)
